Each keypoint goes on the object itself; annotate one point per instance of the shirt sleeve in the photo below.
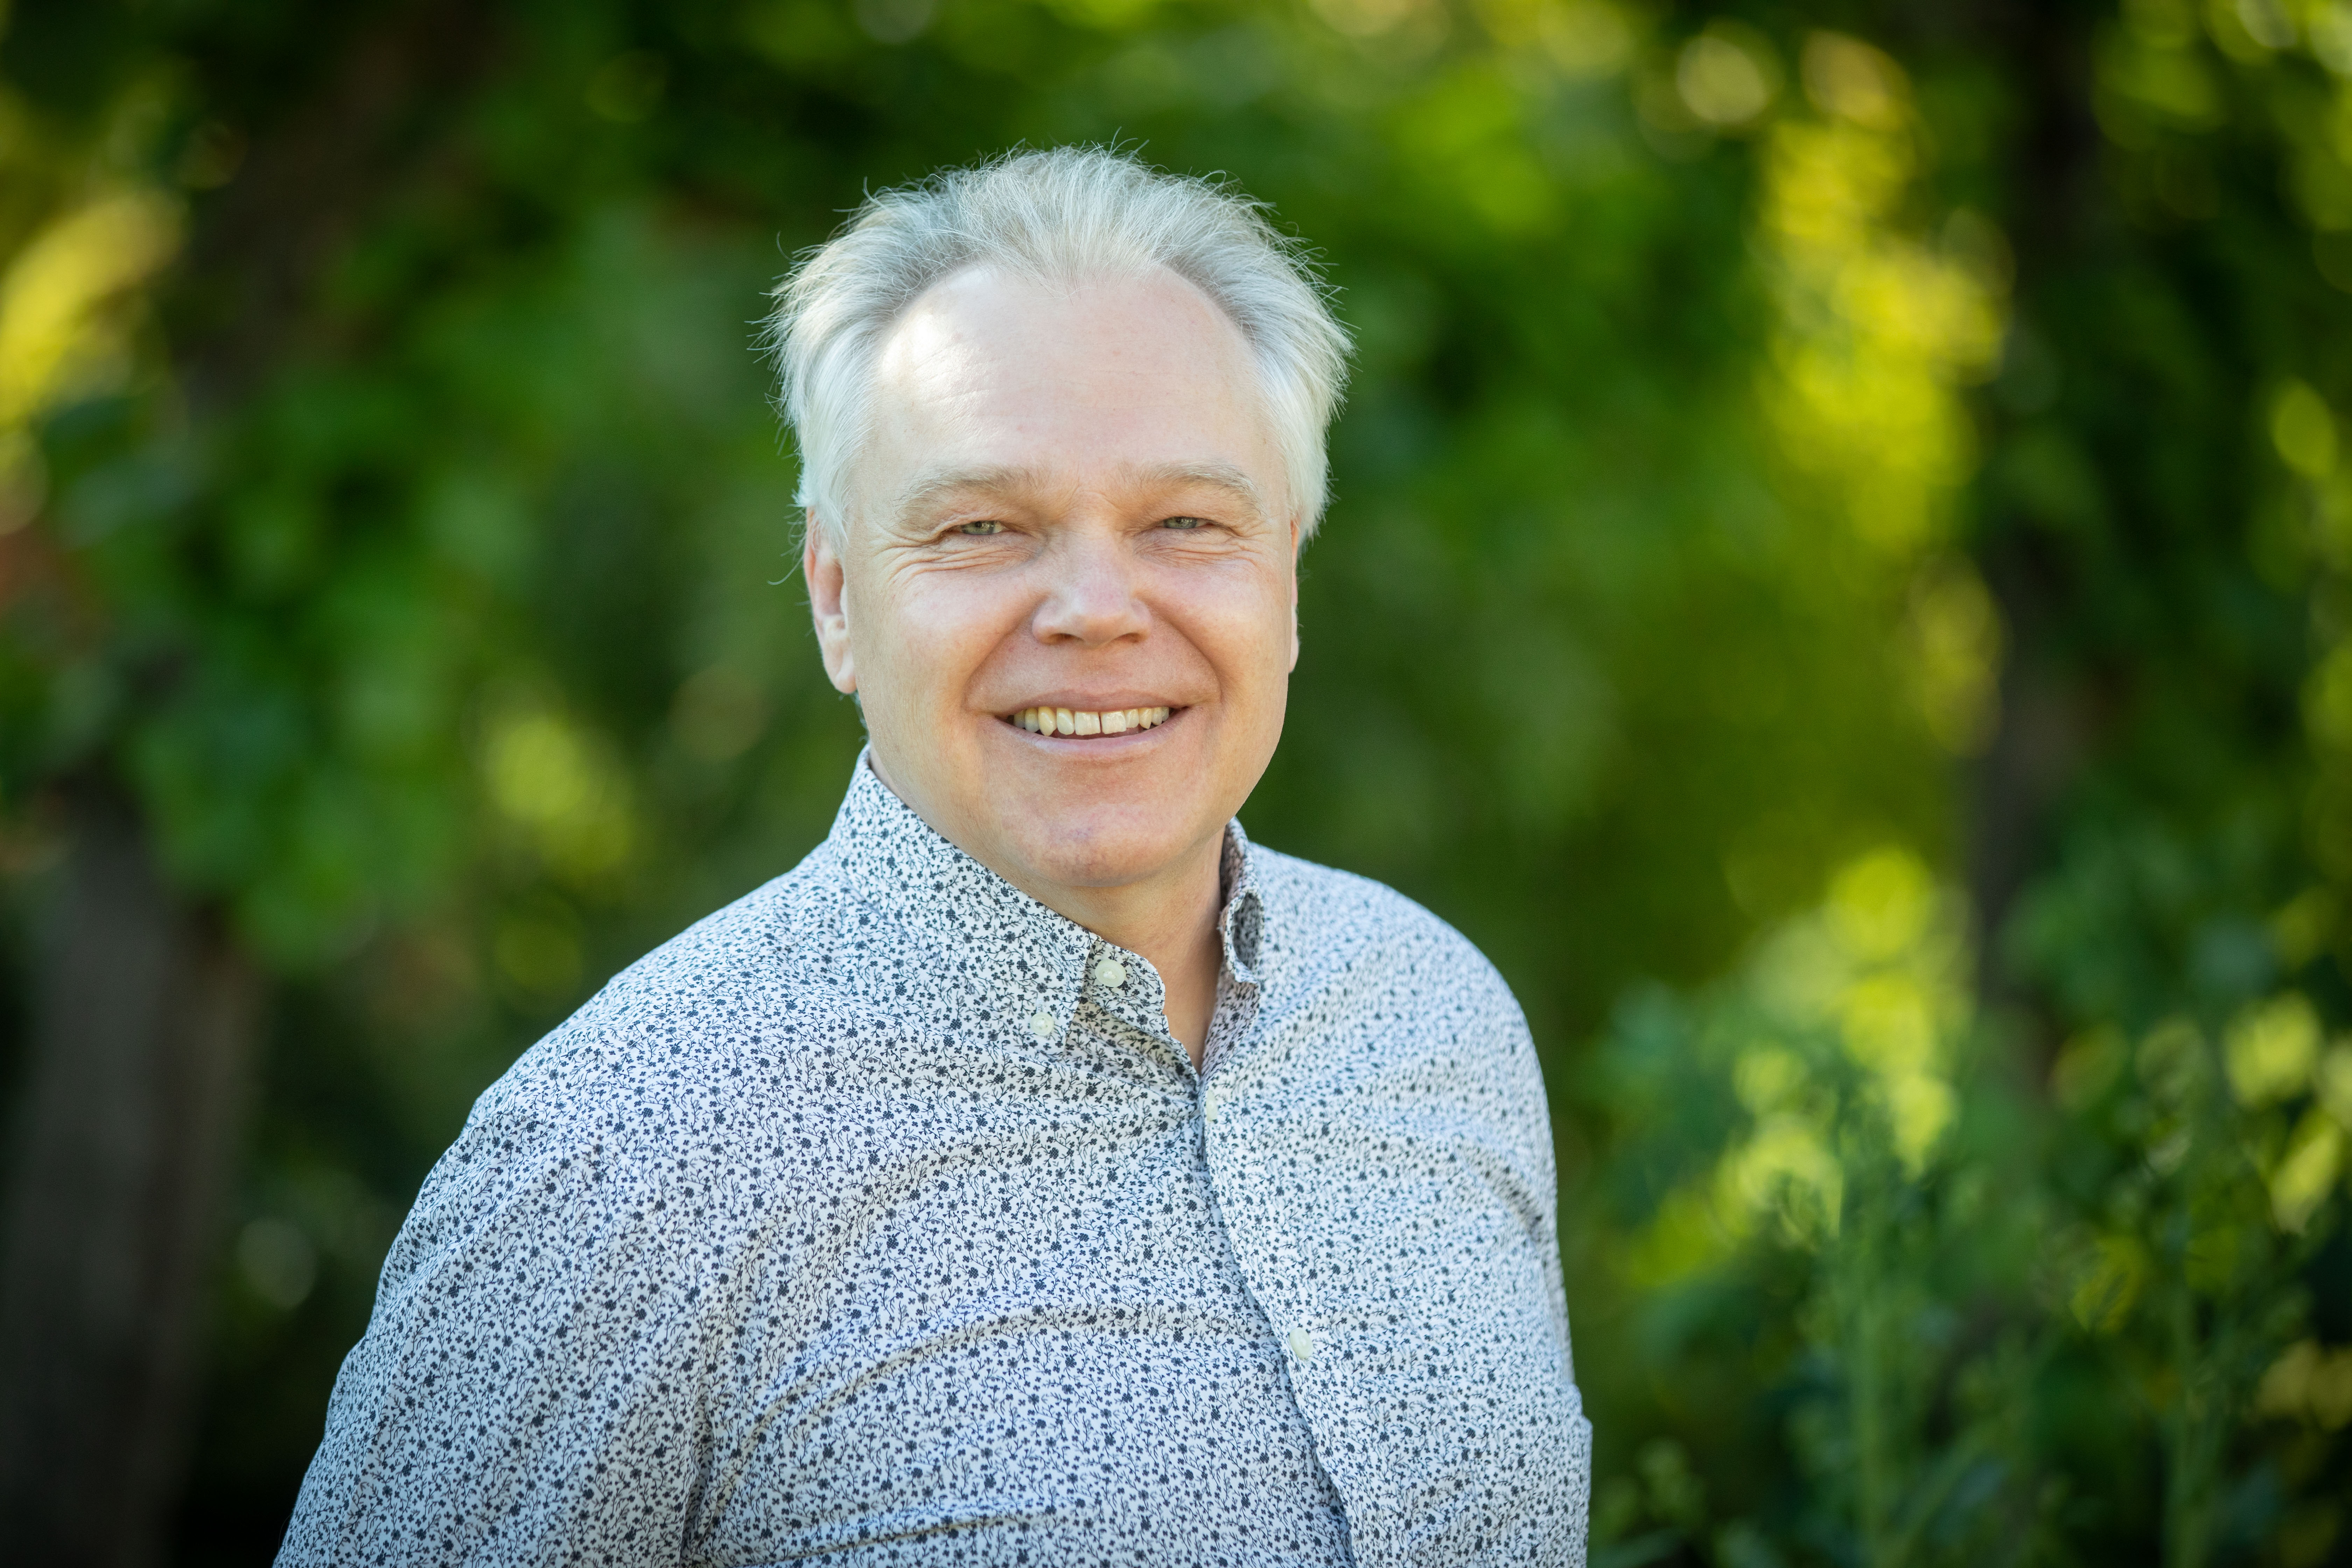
(1541, 1158)
(528, 1389)
(1573, 1502)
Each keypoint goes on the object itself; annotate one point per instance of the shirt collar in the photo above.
(1241, 923)
(1022, 953)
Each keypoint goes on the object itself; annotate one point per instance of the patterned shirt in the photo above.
(879, 1218)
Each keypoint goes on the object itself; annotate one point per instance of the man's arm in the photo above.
(529, 1387)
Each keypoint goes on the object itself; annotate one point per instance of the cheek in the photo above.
(927, 635)
(1246, 634)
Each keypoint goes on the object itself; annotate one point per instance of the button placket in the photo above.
(1265, 1246)
(1052, 998)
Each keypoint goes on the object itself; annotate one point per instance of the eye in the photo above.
(1184, 522)
(980, 529)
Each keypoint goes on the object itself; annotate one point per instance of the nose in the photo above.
(1091, 597)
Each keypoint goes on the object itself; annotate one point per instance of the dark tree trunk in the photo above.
(147, 1013)
(2044, 732)
(140, 1051)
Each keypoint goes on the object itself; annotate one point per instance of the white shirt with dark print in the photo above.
(879, 1219)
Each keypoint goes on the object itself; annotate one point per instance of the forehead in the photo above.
(988, 372)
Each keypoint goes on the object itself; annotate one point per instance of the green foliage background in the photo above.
(1837, 583)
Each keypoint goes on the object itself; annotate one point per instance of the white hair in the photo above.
(1060, 216)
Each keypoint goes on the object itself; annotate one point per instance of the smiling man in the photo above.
(1039, 1173)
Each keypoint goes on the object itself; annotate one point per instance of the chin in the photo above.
(1105, 848)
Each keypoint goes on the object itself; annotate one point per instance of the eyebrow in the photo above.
(1009, 479)
(933, 486)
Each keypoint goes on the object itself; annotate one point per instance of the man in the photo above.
(1039, 1173)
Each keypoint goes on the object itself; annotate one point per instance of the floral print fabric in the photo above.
(878, 1218)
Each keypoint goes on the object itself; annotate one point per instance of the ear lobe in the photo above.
(828, 589)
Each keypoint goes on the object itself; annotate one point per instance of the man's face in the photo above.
(1069, 500)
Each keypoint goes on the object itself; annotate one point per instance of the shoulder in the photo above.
(630, 1154)
(729, 992)
(672, 1074)
(1395, 996)
(1323, 921)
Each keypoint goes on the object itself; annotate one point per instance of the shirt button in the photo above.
(1110, 972)
(1301, 1345)
(1208, 1107)
(1041, 1024)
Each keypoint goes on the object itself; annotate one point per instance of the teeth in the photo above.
(1064, 721)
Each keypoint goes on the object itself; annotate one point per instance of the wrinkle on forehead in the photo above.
(992, 386)
(967, 310)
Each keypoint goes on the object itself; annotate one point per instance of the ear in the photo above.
(1294, 594)
(828, 603)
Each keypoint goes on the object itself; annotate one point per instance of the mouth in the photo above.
(1083, 721)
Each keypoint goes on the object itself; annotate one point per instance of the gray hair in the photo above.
(1059, 217)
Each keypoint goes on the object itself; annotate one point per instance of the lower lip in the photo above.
(1075, 743)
